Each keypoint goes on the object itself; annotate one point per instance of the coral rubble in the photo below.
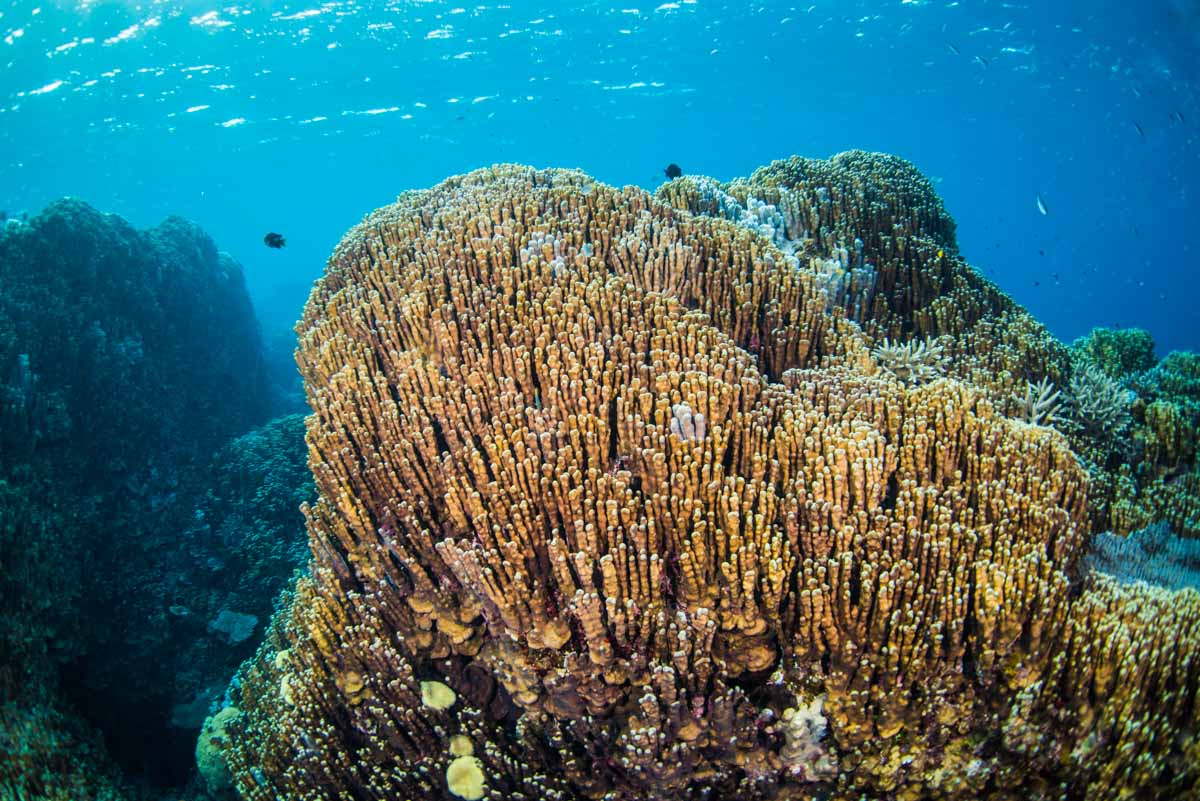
(614, 502)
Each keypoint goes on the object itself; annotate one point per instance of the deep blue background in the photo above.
(1040, 98)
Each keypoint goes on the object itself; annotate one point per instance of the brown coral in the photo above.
(872, 226)
(828, 582)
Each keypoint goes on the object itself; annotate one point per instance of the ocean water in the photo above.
(301, 117)
(155, 457)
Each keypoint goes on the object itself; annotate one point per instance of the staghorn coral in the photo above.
(1099, 404)
(912, 363)
(1163, 481)
(836, 585)
(1041, 405)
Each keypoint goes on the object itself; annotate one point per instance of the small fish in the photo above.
(1141, 132)
(274, 240)
(953, 49)
(982, 61)
(1041, 252)
(1041, 206)
(941, 253)
(3, 216)
(1178, 117)
(673, 171)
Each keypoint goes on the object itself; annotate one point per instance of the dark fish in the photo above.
(982, 61)
(274, 240)
(1041, 253)
(673, 171)
(1141, 132)
(3, 216)
(953, 49)
(1178, 117)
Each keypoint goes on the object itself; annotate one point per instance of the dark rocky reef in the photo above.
(127, 360)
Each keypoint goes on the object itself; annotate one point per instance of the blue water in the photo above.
(302, 117)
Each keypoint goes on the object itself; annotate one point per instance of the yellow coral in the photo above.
(436, 695)
(625, 482)
(465, 779)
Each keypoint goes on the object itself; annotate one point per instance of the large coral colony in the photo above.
(734, 491)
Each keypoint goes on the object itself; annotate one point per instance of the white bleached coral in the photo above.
(805, 751)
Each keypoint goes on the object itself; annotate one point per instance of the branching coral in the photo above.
(912, 362)
(1042, 404)
(1152, 554)
(518, 500)
(1098, 403)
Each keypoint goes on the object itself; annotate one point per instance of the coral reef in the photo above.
(1042, 405)
(1134, 425)
(1153, 555)
(1099, 404)
(1120, 353)
(911, 362)
(47, 753)
(210, 760)
(249, 519)
(872, 230)
(127, 358)
(613, 504)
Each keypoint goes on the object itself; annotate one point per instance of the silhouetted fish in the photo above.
(1141, 132)
(673, 171)
(274, 240)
